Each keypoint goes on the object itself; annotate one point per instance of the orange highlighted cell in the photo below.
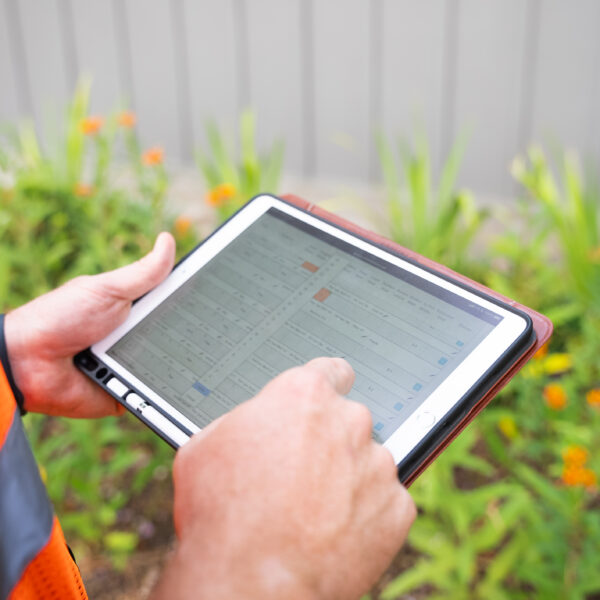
(310, 267)
(322, 295)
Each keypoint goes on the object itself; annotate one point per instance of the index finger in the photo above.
(337, 370)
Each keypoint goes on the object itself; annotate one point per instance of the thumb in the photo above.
(134, 280)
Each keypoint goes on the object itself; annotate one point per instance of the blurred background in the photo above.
(323, 76)
(466, 130)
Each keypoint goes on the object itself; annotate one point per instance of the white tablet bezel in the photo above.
(423, 419)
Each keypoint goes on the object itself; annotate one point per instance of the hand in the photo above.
(43, 336)
(287, 496)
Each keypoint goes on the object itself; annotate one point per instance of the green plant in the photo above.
(432, 219)
(569, 216)
(232, 183)
(62, 215)
(92, 470)
(469, 538)
(493, 526)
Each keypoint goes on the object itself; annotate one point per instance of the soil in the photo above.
(151, 515)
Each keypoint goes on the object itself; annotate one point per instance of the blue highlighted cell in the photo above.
(442, 360)
(398, 406)
(379, 426)
(201, 388)
(459, 343)
(417, 387)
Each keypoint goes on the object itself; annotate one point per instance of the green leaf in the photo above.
(121, 541)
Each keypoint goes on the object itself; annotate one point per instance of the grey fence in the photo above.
(322, 74)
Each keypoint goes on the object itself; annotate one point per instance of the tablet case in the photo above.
(542, 329)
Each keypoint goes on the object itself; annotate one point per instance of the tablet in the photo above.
(276, 286)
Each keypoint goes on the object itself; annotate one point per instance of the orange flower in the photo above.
(153, 156)
(575, 456)
(595, 254)
(83, 190)
(182, 226)
(91, 125)
(588, 478)
(220, 194)
(593, 398)
(555, 396)
(127, 119)
(579, 476)
(542, 351)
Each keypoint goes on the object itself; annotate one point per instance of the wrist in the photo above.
(196, 570)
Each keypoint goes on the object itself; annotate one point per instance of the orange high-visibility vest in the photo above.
(35, 562)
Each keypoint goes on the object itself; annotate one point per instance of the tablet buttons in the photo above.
(426, 420)
(114, 385)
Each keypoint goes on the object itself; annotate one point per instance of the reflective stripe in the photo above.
(7, 406)
(25, 511)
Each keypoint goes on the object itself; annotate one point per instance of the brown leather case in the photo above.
(542, 328)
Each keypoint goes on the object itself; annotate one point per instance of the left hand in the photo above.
(43, 336)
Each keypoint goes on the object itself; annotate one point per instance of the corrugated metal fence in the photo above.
(322, 74)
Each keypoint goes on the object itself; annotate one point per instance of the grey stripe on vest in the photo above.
(26, 514)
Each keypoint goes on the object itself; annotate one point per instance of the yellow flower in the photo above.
(153, 156)
(575, 456)
(127, 119)
(593, 397)
(83, 190)
(182, 226)
(558, 363)
(549, 364)
(220, 194)
(508, 427)
(91, 125)
(555, 396)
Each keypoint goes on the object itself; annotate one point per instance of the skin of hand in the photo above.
(287, 496)
(43, 335)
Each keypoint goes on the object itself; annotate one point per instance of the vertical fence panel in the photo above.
(96, 45)
(154, 84)
(322, 75)
(563, 106)
(45, 58)
(491, 43)
(412, 70)
(212, 66)
(9, 105)
(341, 66)
(275, 75)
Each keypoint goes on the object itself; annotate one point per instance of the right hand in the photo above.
(287, 496)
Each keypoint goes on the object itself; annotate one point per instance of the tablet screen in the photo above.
(283, 292)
